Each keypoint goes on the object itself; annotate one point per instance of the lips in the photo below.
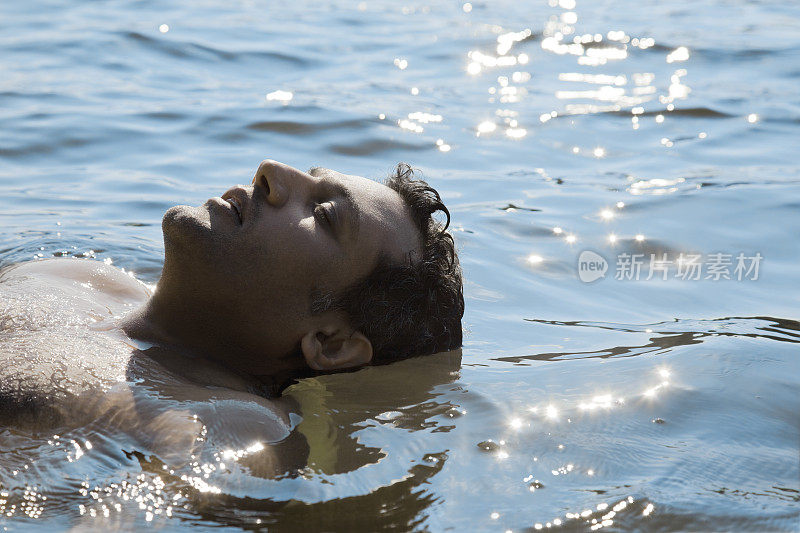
(236, 208)
(237, 198)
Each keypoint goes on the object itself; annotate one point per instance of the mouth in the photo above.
(237, 198)
(236, 208)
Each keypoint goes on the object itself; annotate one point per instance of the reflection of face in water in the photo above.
(329, 409)
(182, 419)
(335, 406)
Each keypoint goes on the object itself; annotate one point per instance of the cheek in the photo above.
(284, 258)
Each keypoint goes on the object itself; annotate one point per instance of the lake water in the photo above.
(661, 136)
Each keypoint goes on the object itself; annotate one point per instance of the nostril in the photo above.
(270, 178)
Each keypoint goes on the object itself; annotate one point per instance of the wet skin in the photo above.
(64, 362)
(240, 270)
(232, 303)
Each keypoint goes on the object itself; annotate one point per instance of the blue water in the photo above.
(635, 404)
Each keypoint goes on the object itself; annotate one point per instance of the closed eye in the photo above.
(324, 214)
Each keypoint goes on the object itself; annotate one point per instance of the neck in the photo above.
(152, 323)
(190, 345)
(157, 321)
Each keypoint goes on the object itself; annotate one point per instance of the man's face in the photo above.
(252, 257)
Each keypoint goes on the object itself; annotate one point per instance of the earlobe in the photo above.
(334, 351)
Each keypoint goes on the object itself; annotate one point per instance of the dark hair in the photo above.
(414, 308)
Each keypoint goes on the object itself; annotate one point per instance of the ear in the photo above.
(335, 349)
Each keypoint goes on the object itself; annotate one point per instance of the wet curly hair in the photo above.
(413, 308)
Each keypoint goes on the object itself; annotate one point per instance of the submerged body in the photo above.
(298, 274)
(65, 361)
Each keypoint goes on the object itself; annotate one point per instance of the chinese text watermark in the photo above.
(715, 266)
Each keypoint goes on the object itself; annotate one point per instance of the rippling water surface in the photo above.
(551, 128)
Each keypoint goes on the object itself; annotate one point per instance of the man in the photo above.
(295, 274)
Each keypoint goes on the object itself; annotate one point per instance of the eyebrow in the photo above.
(352, 210)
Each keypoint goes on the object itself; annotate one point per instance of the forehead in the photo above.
(357, 185)
(384, 218)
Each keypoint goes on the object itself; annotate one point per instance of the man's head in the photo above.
(340, 268)
(411, 307)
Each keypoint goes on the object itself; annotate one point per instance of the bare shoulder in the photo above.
(80, 274)
(53, 317)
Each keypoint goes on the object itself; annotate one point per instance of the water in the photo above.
(628, 404)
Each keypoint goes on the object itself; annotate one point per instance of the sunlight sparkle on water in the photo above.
(604, 400)
(599, 152)
(551, 412)
(410, 125)
(425, 118)
(164, 28)
(569, 17)
(571, 239)
(521, 77)
(558, 231)
(651, 393)
(620, 205)
(639, 237)
(443, 147)
(601, 401)
(607, 214)
(280, 96)
(487, 126)
(612, 238)
(679, 54)
(534, 259)
(752, 118)
(507, 40)
(467, 7)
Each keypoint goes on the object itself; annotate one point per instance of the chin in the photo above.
(184, 223)
(186, 229)
(191, 247)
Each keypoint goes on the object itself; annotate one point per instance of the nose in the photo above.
(278, 181)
